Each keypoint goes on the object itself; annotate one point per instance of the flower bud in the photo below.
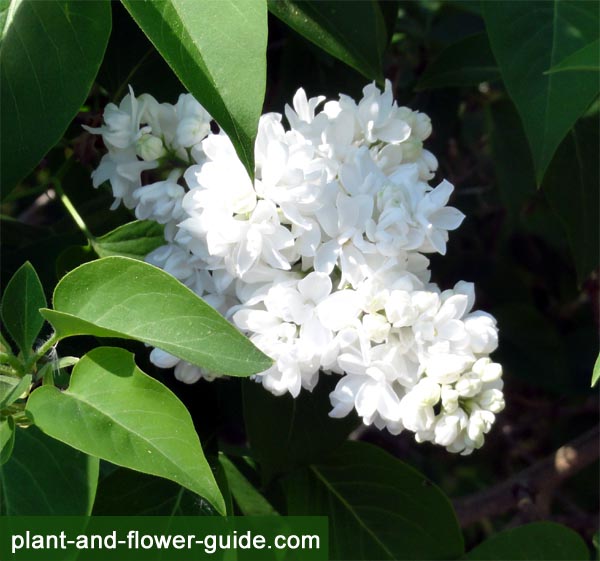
(149, 147)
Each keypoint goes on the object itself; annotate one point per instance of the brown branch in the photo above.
(534, 486)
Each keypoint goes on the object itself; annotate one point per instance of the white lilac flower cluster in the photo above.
(320, 259)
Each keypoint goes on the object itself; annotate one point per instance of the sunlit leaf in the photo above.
(123, 297)
(114, 411)
(218, 51)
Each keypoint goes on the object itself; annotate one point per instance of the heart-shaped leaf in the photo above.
(114, 411)
(123, 297)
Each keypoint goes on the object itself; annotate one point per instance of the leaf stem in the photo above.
(64, 199)
(41, 351)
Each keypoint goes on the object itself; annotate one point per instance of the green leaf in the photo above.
(218, 51)
(596, 372)
(353, 32)
(571, 187)
(50, 53)
(7, 438)
(529, 37)
(285, 432)
(584, 60)
(131, 59)
(134, 240)
(467, 62)
(130, 493)
(515, 176)
(538, 541)
(389, 12)
(123, 297)
(378, 506)
(72, 257)
(114, 411)
(12, 388)
(22, 299)
(250, 501)
(45, 477)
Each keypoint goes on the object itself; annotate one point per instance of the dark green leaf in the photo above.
(353, 32)
(285, 432)
(116, 412)
(7, 438)
(134, 240)
(123, 297)
(249, 500)
(378, 506)
(130, 493)
(528, 38)
(584, 60)
(596, 372)
(466, 63)
(12, 388)
(72, 257)
(571, 187)
(218, 51)
(513, 166)
(472, 6)
(389, 11)
(45, 477)
(532, 542)
(132, 60)
(22, 299)
(49, 55)
(531, 348)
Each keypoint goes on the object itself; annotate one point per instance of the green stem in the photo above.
(41, 351)
(64, 199)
